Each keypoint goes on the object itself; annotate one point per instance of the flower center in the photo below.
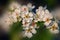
(47, 20)
(24, 9)
(53, 27)
(29, 30)
(26, 16)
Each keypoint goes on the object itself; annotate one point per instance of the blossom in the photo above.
(14, 6)
(34, 25)
(25, 23)
(6, 22)
(24, 9)
(27, 16)
(30, 6)
(54, 28)
(15, 15)
(29, 32)
(39, 14)
(47, 17)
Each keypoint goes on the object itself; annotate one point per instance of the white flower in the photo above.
(15, 16)
(47, 17)
(30, 6)
(25, 23)
(29, 32)
(18, 11)
(43, 15)
(33, 24)
(54, 28)
(14, 5)
(6, 22)
(39, 14)
(33, 30)
(24, 9)
(15, 12)
(28, 17)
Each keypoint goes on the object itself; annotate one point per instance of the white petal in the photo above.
(40, 8)
(54, 32)
(33, 6)
(30, 14)
(17, 11)
(33, 31)
(48, 14)
(29, 5)
(29, 35)
(55, 23)
(14, 5)
(24, 6)
(47, 23)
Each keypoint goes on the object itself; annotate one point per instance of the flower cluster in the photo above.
(29, 19)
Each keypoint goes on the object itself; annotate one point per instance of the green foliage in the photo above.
(50, 3)
(16, 28)
(40, 24)
(42, 33)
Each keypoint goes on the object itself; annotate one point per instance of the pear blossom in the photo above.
(34, 25)
(54, 28)
(28, 17)
(29, 32)
(14, 5)
(15, 15)
(25, 23)
(47, 17)
(30, 6)
(39, 14)
(24, 9)
(6, 22)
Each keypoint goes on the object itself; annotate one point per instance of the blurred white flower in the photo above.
(28, 17)
(24, 9)
(39, 14)
(30, 6)
(16, 16)
(14, 5)
(33, 30)
(6, 22)
(25, 23)
(29, 32)
(54, 28)
(47, 17)
(34, 25)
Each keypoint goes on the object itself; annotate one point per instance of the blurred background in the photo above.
(50, 4)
